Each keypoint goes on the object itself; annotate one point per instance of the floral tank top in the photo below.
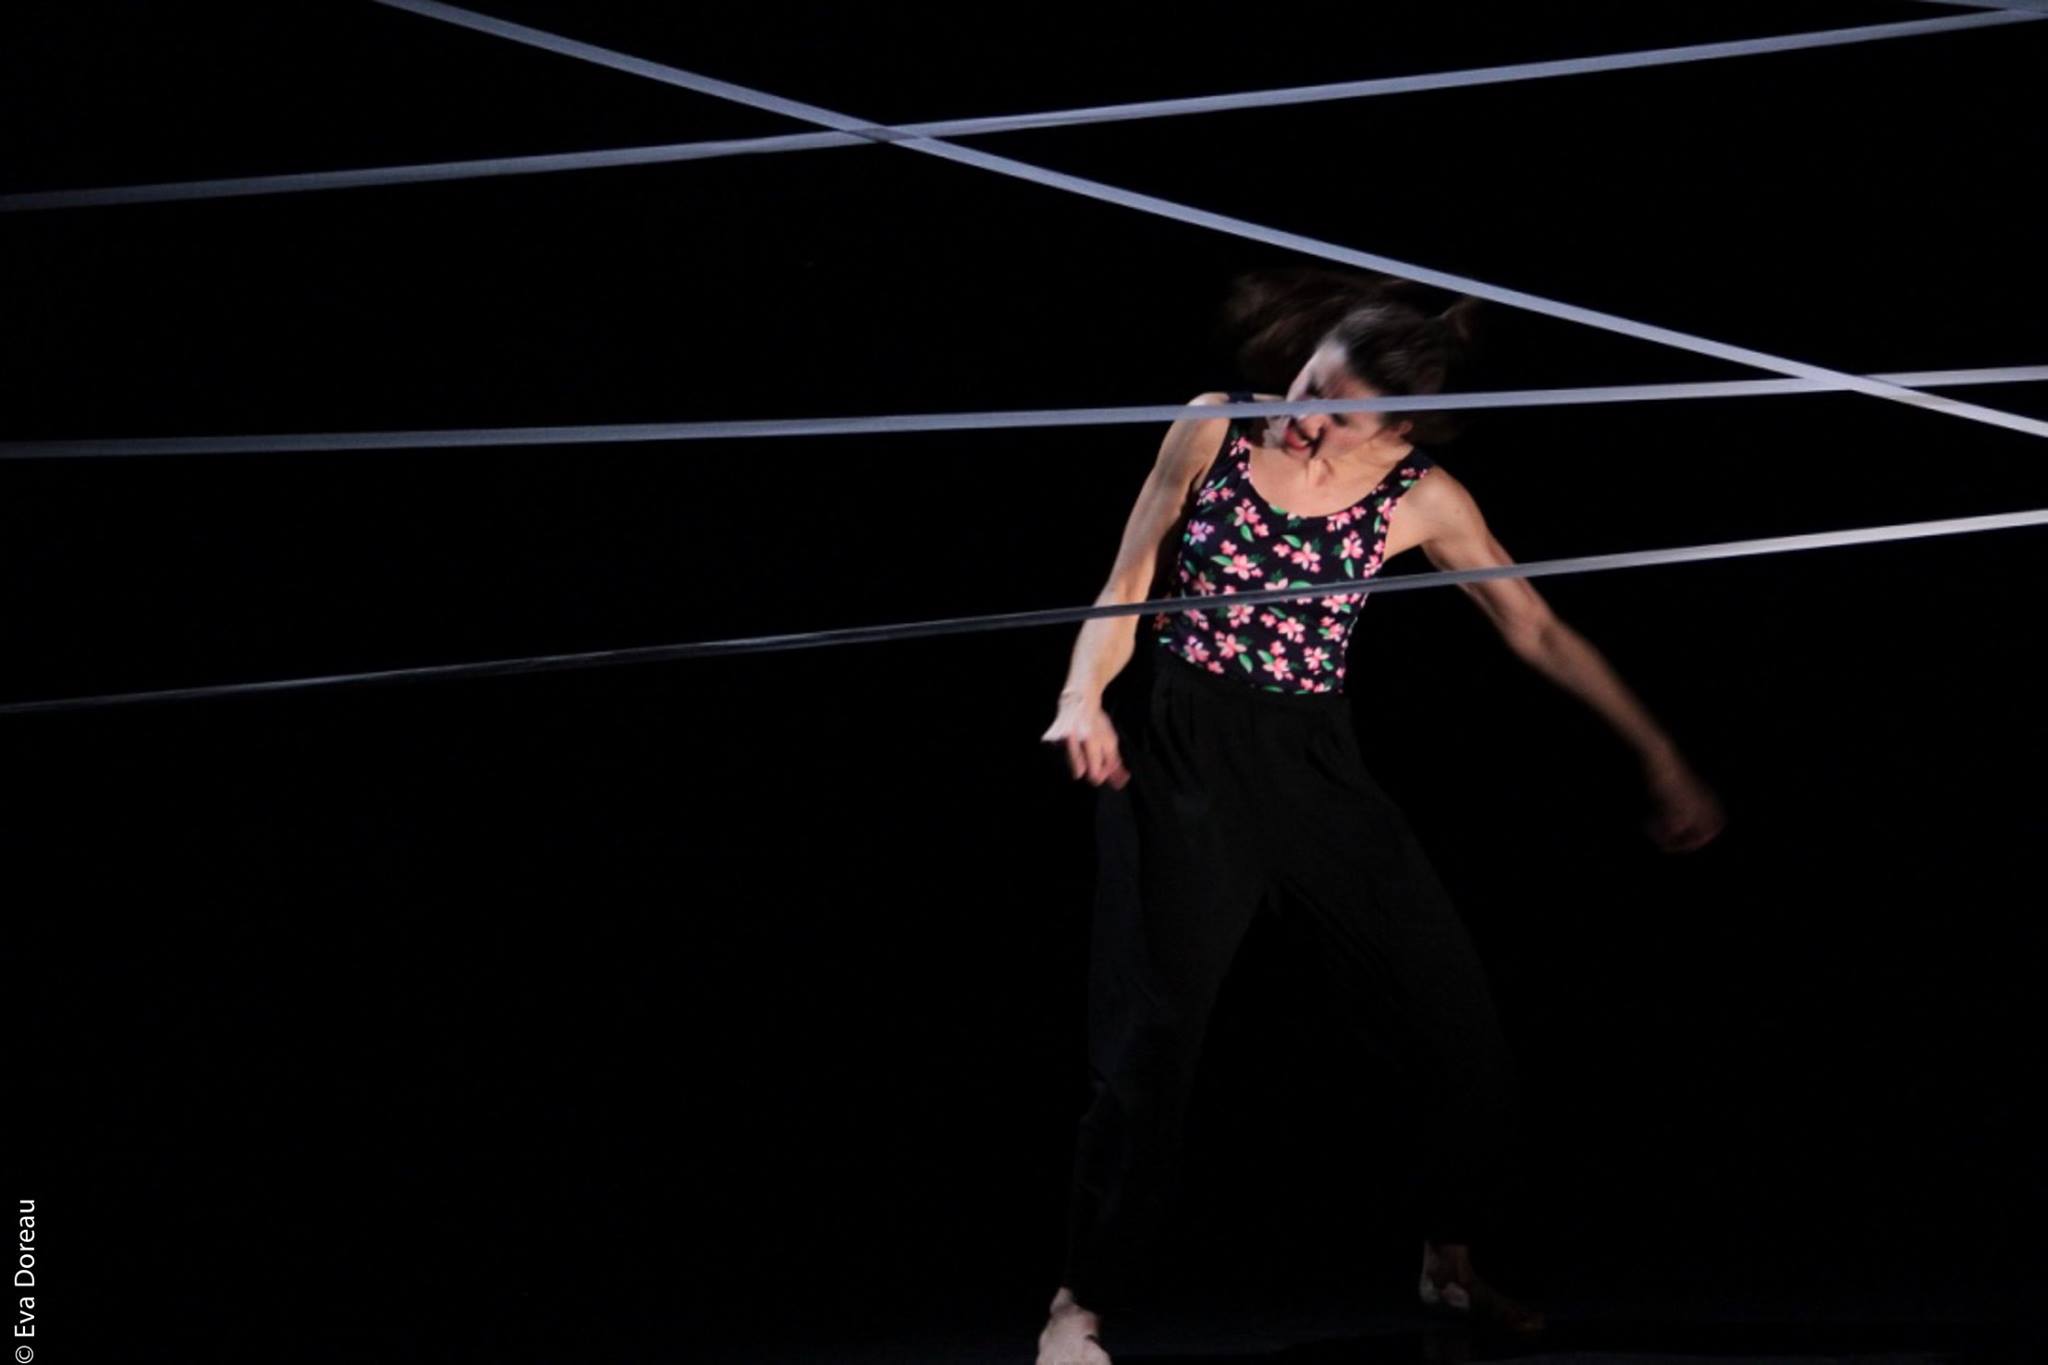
(1235, 541)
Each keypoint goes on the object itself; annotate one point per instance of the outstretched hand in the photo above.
(1686, 815)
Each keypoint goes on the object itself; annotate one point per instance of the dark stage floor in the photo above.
(1910, 1321)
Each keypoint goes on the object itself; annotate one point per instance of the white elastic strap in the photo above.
(1194, 217)
(898, 423)
(231, 186)
(761, 644)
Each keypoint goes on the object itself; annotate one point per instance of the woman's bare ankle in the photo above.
(1070, 1334)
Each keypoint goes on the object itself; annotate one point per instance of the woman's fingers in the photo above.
(1100, 756)
(1092, 756)
(1113, 771)
(1685, 819)
(1682, 836)
(1102, 763)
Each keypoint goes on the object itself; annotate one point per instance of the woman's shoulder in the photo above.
(1237, 396)
(1207, 421)
(1436, 493)
(1224, 421)
(1192, 442)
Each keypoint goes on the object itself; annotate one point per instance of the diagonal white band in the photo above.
(1218, 222)
(965, 625)
(476, 168)
(891, 423)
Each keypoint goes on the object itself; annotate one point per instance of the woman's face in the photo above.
(1336, 436)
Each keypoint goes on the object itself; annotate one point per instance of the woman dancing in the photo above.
(1242, 786)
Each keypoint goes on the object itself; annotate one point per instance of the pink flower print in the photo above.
(1246, 513)
(1229, 646)
(1328, 629)
(1197, 652)
(1241, 565)
(1353, 547)
(1292, 629)
(1239, 615)
(1266, 619)
(1215, 667)
(1340, 670)
(1278, 665)
(1320, 687)
(1160, 620)
(1201, 619)
(1203, 586)
(1198, 531)
(1277, 581)
(1210, 492)
(1337, 521)
(1307, 558)
(1316, 658)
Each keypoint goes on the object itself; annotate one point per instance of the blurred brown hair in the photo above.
(1276, 319)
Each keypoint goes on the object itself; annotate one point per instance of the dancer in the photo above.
(1240, 787)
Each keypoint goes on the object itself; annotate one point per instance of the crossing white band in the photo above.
(897, 423)
(964, 625)
(476, 168)
(1238, 227)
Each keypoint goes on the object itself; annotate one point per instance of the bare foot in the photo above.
(1449, 1283)
(1069, 1336)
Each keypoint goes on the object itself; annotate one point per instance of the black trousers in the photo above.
(1243, 803)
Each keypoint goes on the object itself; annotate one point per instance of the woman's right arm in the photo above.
(1105, 643)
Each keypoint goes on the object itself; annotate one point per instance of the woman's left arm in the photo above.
(1453, 535)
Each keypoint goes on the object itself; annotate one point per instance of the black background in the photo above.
(665, 1009)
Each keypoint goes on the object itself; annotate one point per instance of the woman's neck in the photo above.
(1376, 459)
